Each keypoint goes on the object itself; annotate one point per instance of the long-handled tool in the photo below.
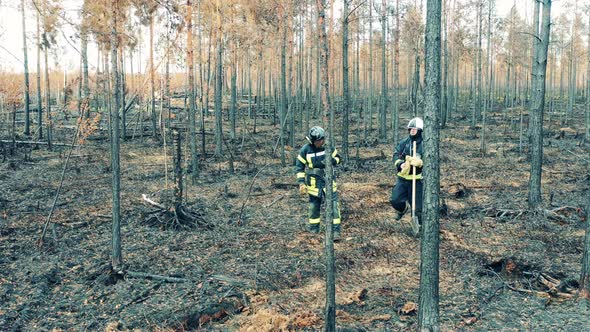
(415, 221)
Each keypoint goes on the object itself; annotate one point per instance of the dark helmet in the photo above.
(416, 123)
(316, 133)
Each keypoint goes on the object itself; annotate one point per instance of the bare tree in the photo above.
(538, 104)
(384, 100)
(219, 85)
(191, 92)
(27, 130)
(330, 309)
(345, 85)
(428, 316)
(585, 276)
(116, 258)
(587, 131)
(39, 100)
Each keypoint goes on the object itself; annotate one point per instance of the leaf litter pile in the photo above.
(239, 259)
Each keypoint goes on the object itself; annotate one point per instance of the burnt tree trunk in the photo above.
(538, 105)
(27, 131)
(191, 92)
(330, 308)
(345, 85)
(116, 258)
(428, 315)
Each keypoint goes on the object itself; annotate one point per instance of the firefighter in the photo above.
(312, 181)
(403, 160)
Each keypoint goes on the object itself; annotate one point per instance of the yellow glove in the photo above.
(302, 189)
(405, 169)
(416, 162)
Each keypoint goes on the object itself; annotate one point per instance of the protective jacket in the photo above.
(403, 149)
(314, 159)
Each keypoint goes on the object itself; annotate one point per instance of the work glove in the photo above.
(415, 161)
(405, 169)
(302, 189)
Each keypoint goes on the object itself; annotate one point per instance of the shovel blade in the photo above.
(415, 226)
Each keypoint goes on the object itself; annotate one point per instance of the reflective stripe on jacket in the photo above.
(313, 158)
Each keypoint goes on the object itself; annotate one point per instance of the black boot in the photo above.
(314, 228)
(336, 232)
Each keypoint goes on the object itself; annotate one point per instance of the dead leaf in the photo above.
(356, 297)
(306, 319)
(469, 320)
(409, 307)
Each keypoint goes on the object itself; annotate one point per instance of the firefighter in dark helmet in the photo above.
(312, 181)
(403, 160)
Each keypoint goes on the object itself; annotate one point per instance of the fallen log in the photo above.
(34, 143)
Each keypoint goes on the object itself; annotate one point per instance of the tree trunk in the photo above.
(27, 130)
(383, 108)
(478, 81)
(587, 131)
(428, 315)
(396, 85)
(445, 85)
(48, 99)
(283, 100)
(345, 87)
(585, 276)
(538, 104)
(122, 86)
(218, 88)
(356, 104)
(571, 84)
(39, 100)
(489, 74)
(370, 104)
(178, 185)
(330, 308)
(234, 92)
(84, 51)
(116, 259)
(290, 111)
(191, 92)
(152, 79)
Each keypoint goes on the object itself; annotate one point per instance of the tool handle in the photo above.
(414, 182)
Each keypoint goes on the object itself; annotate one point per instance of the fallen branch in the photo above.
(231, 281)
(61, 181)
(142, 275)
(34, 143)
(145, 198)
(141, 297)
(249, 192)
(273, 202)
(584, 159)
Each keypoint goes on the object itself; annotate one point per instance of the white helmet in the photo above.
(416, 123)
(316, 133)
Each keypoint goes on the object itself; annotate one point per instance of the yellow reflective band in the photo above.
(334, 153)
(397, 162)
(301, 159)
(300, 175)
(309, 163)
(314, 221)
(336, 221)
(337, 160)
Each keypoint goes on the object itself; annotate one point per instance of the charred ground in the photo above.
(250, 266)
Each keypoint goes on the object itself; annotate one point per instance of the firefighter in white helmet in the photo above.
(403, 160)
